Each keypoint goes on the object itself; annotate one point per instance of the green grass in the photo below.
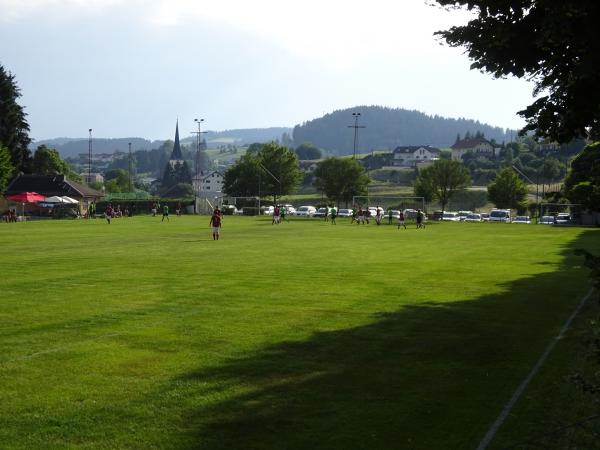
(142, 334)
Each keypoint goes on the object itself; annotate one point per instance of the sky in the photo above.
(131, 68)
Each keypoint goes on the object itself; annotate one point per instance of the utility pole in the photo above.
(129, 167)
(89, 180)
(356, 127)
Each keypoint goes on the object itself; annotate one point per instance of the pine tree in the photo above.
(457, 138)
(13, 126)
(6, 167)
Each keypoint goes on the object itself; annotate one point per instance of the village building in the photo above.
(478, 146)
(53, 185)
(411, 156)
(211, 182)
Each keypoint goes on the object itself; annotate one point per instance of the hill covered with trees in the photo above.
(388, 128)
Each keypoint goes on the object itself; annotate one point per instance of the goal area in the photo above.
(392, 202)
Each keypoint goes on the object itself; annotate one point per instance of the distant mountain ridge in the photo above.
(70, 147)
(387, 128)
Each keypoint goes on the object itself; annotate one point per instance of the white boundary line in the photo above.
(506, 410)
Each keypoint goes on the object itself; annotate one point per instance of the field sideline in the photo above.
(142, 334)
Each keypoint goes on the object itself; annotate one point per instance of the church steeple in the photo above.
(176, 155)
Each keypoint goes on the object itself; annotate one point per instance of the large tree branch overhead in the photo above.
(553, 43)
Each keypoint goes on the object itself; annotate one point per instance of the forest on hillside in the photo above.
(387, 128)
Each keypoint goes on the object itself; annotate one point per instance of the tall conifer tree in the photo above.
(14, 128)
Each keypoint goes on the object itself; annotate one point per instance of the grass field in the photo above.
(142, 334)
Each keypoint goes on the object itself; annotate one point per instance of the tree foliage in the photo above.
(278, 161)
(176, 173)
(47, 161)
(341, 179)
(508, 190)
(443, 179)
(582, 184)
(551, 43)
(13, 125)
(6, 168)
(272, 169)
(243, 178)
(308, 151)
(116, 180)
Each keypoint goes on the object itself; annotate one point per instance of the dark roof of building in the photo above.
(413, 148)
(50, 185)
(176, 154)
(470, 143)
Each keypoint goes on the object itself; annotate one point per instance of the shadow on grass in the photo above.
(431, 375)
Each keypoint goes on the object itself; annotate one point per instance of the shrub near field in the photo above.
(142, 334)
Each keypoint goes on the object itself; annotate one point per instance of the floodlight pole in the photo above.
(129, 144)
(89, 181)
(197, 162)
(356, 127)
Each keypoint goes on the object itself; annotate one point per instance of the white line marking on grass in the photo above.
(506, 410)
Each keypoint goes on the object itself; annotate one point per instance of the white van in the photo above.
(500, 215)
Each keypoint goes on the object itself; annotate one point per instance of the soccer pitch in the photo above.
(305, 335)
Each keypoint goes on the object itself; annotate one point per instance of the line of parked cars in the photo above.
(500, 215)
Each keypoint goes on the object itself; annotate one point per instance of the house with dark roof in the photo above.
(479, 146)
(50, 185)
(410, 156)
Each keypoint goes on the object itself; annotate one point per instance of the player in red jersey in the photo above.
(215, 222)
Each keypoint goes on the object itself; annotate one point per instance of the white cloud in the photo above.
(340, 33)
(336, 32)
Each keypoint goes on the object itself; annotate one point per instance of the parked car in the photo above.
(500, 215)
(451, 216)
(395, 214)
(473, 217)
(462, 215)
(522, 219)
(563, 218)
(437, 215)
(306, 211)
(289, 209)
(485, 217)
(373, 211)
(410, 214)
(343, 212)
(267, 210)
(321, 212)
(229, 210)
(547, 220)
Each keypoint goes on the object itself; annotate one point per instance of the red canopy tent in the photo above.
(26, 197)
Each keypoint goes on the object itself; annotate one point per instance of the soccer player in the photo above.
(165, 213)
(108, 213)
(420, 217)
(333, 215)
(276, 213)
(401, 220)
(215, 222)
(389, 211)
